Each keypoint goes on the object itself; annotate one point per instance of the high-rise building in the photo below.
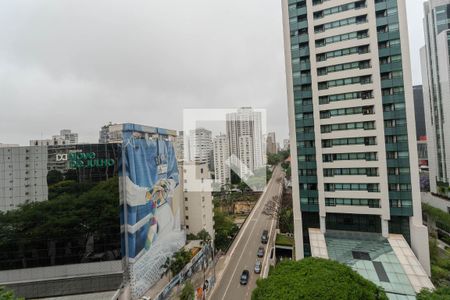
(271, 143)
(198, 206)
(221, 155)
(244, 126)
(351, 119)
(23, 176)
(65, 137)
(110, 133)
(419, 112)
(200, 145)
(436, 90)
(179, 145)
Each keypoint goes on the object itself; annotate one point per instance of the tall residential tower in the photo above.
(435, 57)
(351, 117)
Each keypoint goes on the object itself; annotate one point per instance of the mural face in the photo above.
(149, 177)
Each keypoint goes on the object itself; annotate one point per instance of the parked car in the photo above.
(260, 251)
(258, 265)
(265, 237)
(244, 277)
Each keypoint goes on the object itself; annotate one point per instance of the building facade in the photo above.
(244, 127)
(222, 172)
(23, 176)
(200, 146)
(65, 137)
(436, 91)
(197, 193)
(351, 116)
(419, 112)
(271, 143)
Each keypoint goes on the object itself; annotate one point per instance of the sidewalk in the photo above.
(197, 279)
(158, 287)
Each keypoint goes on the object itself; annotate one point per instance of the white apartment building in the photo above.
(23, 176)
(351, 120)
(200, 146)
(435, 61)
(65, 137)
(247, 123)
(221, 156)
(197, 194)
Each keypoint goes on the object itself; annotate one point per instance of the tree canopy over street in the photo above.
(315, 278)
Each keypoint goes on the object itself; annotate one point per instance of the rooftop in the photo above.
(389, 263)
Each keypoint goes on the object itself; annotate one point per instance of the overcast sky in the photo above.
(79, 64)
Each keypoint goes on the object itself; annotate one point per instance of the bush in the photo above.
(7, 295)
(315, 278)
(188, 292)
(442, 293)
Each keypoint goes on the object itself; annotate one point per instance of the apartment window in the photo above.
(370, 187)
(365, 110)
(201, 170)
(368, 156)
(342, 52)
(186, 208)
(340, 8)
(373, 203)
(346, 96)
(349, 141)
(343, 67)
(369, 125)
(350, 172)
(187, 217)
(340, 23)
(185, 199)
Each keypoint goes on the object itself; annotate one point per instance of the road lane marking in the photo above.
(268, 189)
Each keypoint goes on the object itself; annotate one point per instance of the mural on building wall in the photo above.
(149, 177)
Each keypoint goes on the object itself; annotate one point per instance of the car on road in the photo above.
(265, 237)
(258, 267)
(260, 251)
(244, 277)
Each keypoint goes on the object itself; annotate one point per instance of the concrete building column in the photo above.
(323, 228)
(384, 227)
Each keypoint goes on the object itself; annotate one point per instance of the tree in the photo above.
(442, 293)
(204, 236)
(315, 278)
(188, 292)
(8, 295)
(180, 259)
(54, 176)
(286, 220)
(225, 230)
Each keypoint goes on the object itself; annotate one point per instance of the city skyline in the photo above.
(98, 79)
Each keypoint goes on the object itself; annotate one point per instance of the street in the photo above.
(243, 252)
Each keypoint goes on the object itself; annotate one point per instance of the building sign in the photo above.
(80, 160)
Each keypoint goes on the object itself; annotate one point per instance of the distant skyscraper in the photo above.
(351, 116)
(65, 137)
(271, 143)
(419, 111)
(200, 146)
(179, 145)
(244, 128)
(436, 90)
(221, 155)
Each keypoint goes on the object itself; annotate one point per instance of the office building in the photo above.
(65, 137)
(436, 91)
(271, 143)
(419, 112)
(222, 172)
(352, 132)
(200, 146)
(67, 188)
(244, 127)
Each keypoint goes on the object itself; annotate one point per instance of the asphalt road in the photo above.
(242, 254)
